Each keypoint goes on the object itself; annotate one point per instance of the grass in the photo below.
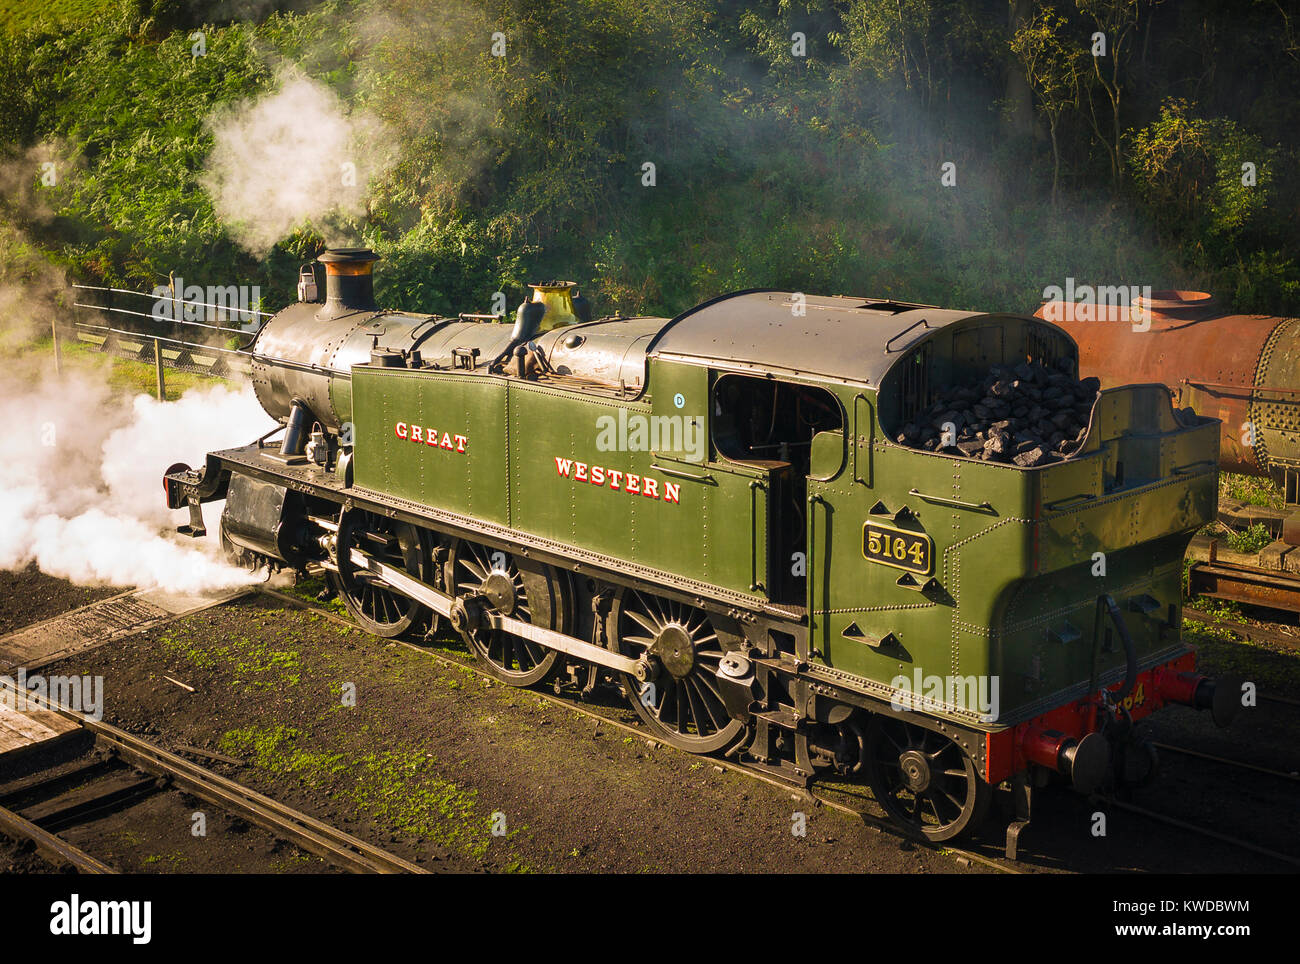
(1249, 540)
(1225, 609)
(309, 588)
(256, 665)
(16, 15)
(1220, 652)
(394, 782)
(122, 374)
(1250, 490)
(397, 786)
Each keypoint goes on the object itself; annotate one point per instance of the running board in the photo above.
(442, 604)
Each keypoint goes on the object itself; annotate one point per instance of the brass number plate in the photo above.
(913, 551)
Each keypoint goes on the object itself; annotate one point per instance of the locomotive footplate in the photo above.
(210, 484)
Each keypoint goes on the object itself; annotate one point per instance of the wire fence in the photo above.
(156, 344)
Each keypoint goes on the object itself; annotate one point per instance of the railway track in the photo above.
(828, 797)
(1227, 761)
(1206, 832)
(125, 770)
(605, 716)
(1265, 580)
(1261, 634)
(156, 769)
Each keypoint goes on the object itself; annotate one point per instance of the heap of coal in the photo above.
(1025, 414)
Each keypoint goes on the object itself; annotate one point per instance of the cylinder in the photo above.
(295, 430)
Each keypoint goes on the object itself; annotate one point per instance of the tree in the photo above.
(1053, 69)
(1116, 20)
(1189, 171)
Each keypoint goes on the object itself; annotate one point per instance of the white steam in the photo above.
(81, 481)
(291, 158)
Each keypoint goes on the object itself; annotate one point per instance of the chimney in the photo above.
(349, 281)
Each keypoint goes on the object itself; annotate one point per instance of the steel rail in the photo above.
(1226, 761)
(1258, 633)
(1247, 584)
(882, 824)
(1204, 831)
(285, 822)
(48, 845)
(307, 832)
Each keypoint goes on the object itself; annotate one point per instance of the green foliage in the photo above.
(1189, 171)
(1250, 490)
(1251, 539)
(816, 172)
(19, 15)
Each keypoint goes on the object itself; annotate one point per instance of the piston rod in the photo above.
(445, 605)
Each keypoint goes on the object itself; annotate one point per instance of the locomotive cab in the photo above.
(951, 541)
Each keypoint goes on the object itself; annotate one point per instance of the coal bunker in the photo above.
(1026, 415)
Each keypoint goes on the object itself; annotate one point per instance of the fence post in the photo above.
(158, 366)
(58, 362)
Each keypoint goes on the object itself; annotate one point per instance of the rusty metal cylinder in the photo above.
(1241, 369)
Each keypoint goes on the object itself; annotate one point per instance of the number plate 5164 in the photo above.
(895, 547)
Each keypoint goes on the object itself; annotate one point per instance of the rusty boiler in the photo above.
(1241, 369)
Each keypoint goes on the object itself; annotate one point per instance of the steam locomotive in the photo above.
(723, 514)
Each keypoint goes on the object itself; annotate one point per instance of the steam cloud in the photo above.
(80, 484)
(291, 158)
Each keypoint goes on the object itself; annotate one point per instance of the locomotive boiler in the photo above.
(1240, 369)
(822, 532)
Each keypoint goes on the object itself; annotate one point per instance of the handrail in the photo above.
(904, 332)
(1074, 500)
(166, 321)
(754, 486)
(679, 474)
(173, 299)
(942, 500)
(812, 542)
(1241, 388)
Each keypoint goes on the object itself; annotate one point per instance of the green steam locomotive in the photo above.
(817, 533)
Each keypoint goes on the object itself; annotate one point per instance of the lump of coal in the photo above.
(1027, 414)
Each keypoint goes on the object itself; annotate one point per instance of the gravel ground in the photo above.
(431, 759)
(428, 760)
(29, 596)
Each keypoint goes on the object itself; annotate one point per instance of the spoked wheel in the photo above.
(680, 701)
(924, 781)
(523, 589)
(374, 604)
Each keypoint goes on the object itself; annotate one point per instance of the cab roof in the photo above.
(840, 337)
